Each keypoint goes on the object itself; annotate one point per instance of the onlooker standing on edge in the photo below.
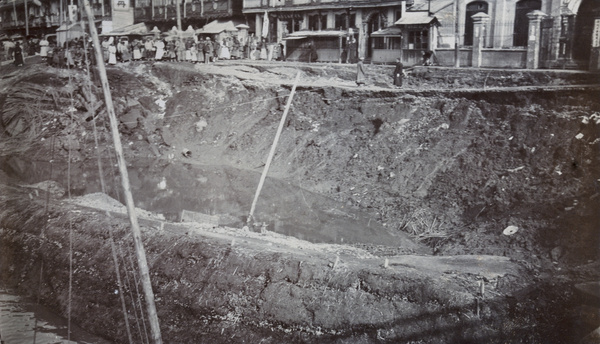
(360, 72)
(398, 73)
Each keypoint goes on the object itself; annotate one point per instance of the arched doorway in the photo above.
(584, 26)
(375, 21)
(472, 9)
(521, 25)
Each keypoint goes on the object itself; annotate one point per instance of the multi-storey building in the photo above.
(329, 25)
(495, 33)
(37, 17)
(163, 13)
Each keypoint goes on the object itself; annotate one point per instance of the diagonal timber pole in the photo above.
(135, 228)
(272, 152)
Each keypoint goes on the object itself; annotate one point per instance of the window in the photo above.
(387, 43)
(472, 9)
(398, 15)
(317, 22)
(418, 39)
(343, 22)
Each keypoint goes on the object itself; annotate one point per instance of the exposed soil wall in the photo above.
(217, 288)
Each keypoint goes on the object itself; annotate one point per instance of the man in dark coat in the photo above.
(18, 52)
(398, 73)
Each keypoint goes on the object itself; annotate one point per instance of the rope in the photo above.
(129, 288)
(89, 90)
(137, 290)
(116, 262)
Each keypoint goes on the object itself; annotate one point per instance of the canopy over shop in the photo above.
(328, 44)
(138, 29)
(222, 28)
(67, 32)
(409, 38)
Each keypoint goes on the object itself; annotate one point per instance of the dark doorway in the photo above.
(522, 22)
(584, 25)
(472, 9)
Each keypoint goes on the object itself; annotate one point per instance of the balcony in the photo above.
(256, 6)
(190, 10)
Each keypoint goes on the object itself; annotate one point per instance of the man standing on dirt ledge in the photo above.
(398, 73)
(360, 72)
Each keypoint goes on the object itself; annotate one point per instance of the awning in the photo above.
(135, 29)
(416, 18)
(322, 33)
(391, 31)
(218, 26)
(69, 27)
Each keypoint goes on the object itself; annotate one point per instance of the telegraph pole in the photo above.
(26, 20)
(178, 3)
(456, 35)
(135, 228)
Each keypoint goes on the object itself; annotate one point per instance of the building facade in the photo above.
(330, 25)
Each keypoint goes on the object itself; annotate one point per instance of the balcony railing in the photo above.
(169, 12)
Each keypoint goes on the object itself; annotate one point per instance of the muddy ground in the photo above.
(433, 173)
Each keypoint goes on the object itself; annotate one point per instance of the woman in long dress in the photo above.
(137, 53)
(224, 53)
(149, 49)
(44, 44)
(125, 52)
(193, 53)
(160, 49)
(112, 54)
(105, 44)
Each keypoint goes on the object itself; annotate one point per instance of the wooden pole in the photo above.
(178, 11)
(26, 20)
(15, 12)
(272, 152)
(456, 35)
(135, 228)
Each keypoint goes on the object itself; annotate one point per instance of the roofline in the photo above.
(337, 6)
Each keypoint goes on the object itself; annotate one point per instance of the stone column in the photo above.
(533, 38)
(258, 24)
(480, 21)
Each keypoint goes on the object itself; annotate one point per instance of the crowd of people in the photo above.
(151, 48)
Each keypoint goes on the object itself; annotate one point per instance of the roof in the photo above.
(135, 29)
(392, 31)
(70, 27)
(218, 26)
(321, 5)
(434, 6)
(416, 18)
(322, 33)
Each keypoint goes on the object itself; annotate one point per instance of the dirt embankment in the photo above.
(450, 168)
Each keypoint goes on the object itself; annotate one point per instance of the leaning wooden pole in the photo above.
(135, 228)
(272, 152)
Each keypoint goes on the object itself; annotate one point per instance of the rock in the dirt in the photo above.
(168, 136)
(556, 253)
(130, 119)
(510, 230)
(201, 124)
(70, 142)
(54, 188)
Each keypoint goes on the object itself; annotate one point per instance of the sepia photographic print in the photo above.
(300, 171)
